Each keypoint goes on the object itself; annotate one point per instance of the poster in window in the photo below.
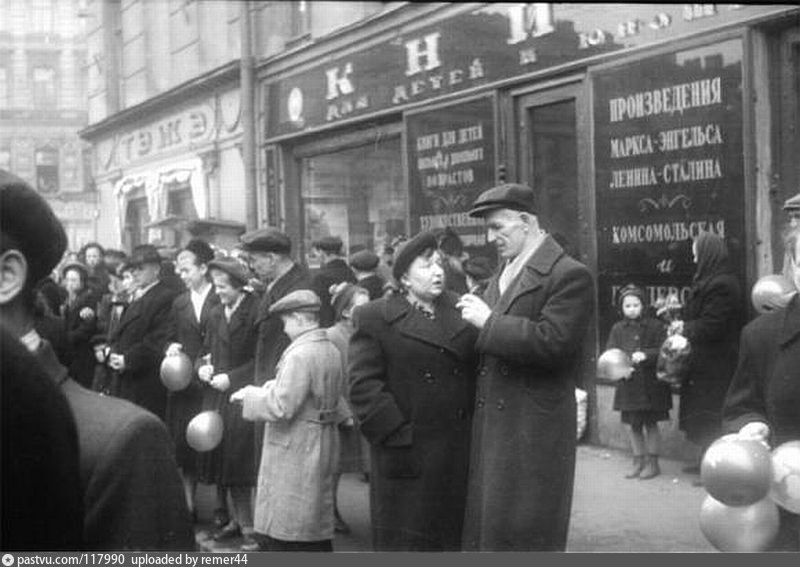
(668, 165)
(451, 160)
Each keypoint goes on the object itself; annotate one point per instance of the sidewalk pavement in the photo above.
(609, 512)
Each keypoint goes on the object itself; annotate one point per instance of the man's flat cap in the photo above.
(364, 260)
(329, 244)
(410, 251)
(266, 240)
(506, 196)
(792, 204)
(144, 254)
(300, 300)
(231, 266)
(27, 220)
(201, 249)
(478, 268)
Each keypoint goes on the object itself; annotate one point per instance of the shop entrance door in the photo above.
(549, 162)
(552, 158)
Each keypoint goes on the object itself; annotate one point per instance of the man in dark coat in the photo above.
(532, 319)
(130, 486)
(41, 493)
(138, 343)
(188, 321)
(269, 257)
(365, 268)
(333, 270)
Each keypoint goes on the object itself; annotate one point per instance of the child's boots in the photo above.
(638, 465)
(651, 468)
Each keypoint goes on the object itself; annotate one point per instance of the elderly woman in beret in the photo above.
(411, 368)
(80, 320)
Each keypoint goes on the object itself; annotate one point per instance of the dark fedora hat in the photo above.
(266, 239)
(144, 254)
(299, 300)
(28, 224)
(410, 250)
(512, 196)
(231, 266)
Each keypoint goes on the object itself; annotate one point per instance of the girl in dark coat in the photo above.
(80, 321)
(642, 399)
(712, 319)
(412, 376)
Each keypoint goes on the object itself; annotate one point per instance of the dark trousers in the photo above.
(268, 543)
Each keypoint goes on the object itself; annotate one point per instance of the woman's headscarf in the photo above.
(712, 256)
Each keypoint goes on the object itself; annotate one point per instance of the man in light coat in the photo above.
(532, 319)
(294, 496)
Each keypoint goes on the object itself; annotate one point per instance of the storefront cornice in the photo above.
(735, 26)
(144, 111)
(358, 36)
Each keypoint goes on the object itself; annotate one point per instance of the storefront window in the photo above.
(356, 194)
(47, 170)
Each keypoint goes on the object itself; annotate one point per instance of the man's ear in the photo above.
(13, 275)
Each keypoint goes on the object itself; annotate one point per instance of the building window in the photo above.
(42, 16)
(3, 87)
(299, 20)
(356, 194)
(47, 170)
(44, 87)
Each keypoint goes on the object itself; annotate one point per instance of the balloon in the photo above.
(737, 472)
(614, 364)
(739, 528)
(785, 489)
(176, 371)
(771, 292)
(204, 431)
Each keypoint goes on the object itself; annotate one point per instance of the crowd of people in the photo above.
(446, 381)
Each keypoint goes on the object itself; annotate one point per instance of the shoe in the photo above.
(249, 544)
(221, 518)
(651, 468)
(691, 469)
(232, 530)
(638, 465)
(340, 526)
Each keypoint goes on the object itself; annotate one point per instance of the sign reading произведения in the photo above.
(668, 165)
(470, 49)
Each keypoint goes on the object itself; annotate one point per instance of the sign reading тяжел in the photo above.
(668, 165)
(451, 160)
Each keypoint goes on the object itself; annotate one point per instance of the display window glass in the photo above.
(356, 194)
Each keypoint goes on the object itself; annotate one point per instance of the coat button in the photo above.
(501, 404)
(483, 371)
(428, 377)
(441, 351)
(480, 403)
(456, 372)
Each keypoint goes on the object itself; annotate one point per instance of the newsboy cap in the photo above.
(792, 203)
(300, 300)
(144, 254)
(364, 260)
(266, 240)
(28, 224)
(410, 250)
(329, 244)
(506, 196)
(231, 266)
(478, 268)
